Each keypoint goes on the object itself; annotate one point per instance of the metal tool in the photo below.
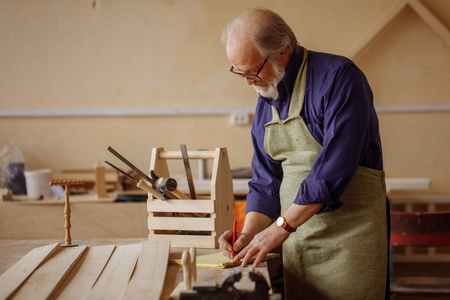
(139, 183)
(163, 185)
(210, 290)
(188, 171)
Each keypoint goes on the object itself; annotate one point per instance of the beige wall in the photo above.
(157, 54)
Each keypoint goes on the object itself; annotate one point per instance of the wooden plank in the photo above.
(114, 279)
(83, 277)
(171, 223)
(100, 181)
(148, 278)
(12, 278)
(197, 206)
(45, 280)
(198, 241)
(222, 192)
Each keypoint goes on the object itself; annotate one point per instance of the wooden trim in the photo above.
(387, 17)
(376, 28)
(431, 20)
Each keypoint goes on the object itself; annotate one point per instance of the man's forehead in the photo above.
(243, 55)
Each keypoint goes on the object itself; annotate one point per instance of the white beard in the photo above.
(268, 89)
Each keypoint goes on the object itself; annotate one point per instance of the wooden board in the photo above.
(114, 279)
(200, 206)
(12, 251)
(21, 270)
(194, 224)
(148, 278)
(43, 282)
(83, 277)
(198, 241)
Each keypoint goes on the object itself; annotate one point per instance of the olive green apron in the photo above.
(334, 255)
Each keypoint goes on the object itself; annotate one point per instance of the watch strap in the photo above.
(286, 226)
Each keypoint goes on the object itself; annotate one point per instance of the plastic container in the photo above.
(38, 183)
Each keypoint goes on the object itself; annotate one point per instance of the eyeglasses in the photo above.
(253, 77)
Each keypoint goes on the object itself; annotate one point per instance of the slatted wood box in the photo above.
(216, 209)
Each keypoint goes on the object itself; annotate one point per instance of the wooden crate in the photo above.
(173, 219)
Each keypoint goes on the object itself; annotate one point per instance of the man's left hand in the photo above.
(263, 242)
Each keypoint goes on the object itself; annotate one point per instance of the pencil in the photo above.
(234, 238)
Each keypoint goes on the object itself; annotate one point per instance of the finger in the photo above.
(252, 251)
(259, 258)
(240, 255)
(224, 243)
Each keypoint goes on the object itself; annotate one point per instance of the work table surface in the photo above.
(13, 250)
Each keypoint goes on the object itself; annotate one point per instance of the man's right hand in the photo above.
(225, 239)
(254, 222)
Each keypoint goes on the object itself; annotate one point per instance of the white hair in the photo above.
(269, 33)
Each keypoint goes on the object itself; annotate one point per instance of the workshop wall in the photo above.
(166, 54)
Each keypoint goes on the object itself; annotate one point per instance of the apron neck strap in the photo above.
(298, 94)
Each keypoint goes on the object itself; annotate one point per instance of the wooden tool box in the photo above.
(174, 220)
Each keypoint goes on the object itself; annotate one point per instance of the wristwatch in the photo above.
(281, 222)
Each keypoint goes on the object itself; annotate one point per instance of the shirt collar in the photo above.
(286, 86)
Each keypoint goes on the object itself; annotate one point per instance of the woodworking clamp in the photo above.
(229, 290)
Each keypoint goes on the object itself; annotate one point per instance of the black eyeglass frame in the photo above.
(253, 77)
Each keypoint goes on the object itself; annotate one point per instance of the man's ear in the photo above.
(284, 56)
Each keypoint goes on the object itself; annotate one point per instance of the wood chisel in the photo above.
(139, 183)
(187, 168)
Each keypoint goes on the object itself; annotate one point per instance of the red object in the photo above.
(420, 229)
(234, 238)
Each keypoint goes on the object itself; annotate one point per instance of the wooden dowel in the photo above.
(186, 260)
(191, 154)
(193, 255)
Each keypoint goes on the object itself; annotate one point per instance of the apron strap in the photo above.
(298, 98)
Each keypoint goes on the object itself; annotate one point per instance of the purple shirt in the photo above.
(339, 112)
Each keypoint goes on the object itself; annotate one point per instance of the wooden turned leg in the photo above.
(67, 210)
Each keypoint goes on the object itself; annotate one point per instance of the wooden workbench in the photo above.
(13, 250)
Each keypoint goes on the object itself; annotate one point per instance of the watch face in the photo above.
(280, 221)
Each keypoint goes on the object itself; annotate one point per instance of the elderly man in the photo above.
(318, 184)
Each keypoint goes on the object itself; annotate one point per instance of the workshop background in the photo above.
(78, 76)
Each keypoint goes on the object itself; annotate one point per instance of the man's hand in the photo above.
(273, 236)
(262, 243)
(254, 222)
(242, 240)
